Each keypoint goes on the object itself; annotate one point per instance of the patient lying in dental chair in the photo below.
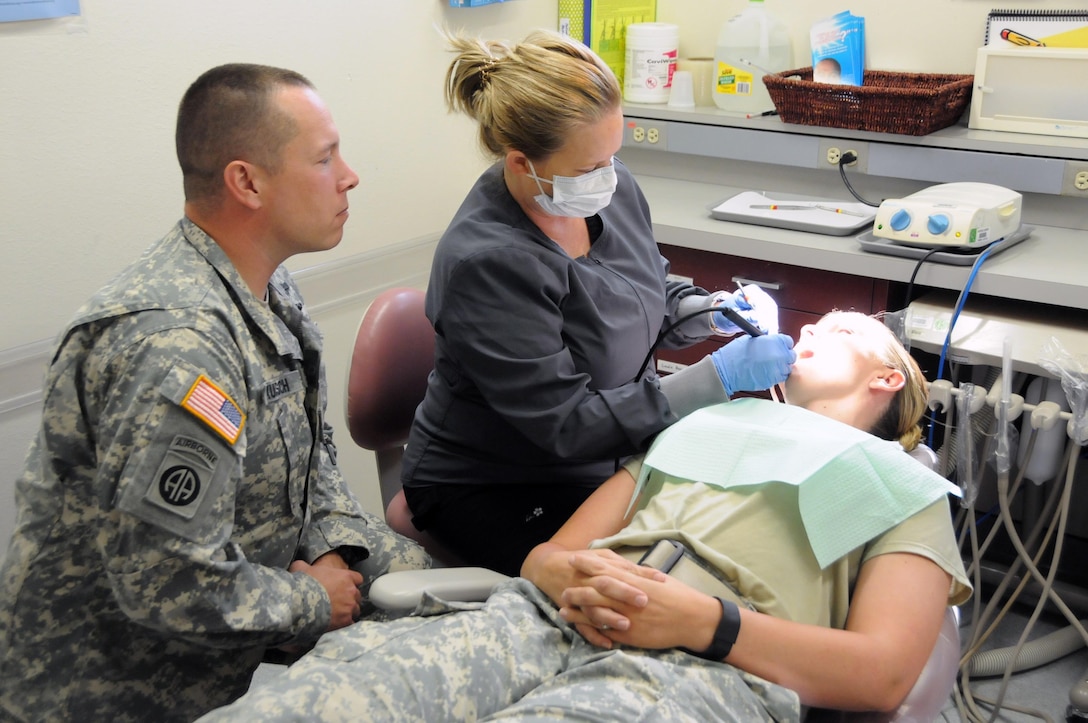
(834, 552)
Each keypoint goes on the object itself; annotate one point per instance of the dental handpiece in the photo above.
(745, 325)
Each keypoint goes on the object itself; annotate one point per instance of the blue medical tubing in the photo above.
(960, 302)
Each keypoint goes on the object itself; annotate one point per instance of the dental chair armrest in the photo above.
(402, 590)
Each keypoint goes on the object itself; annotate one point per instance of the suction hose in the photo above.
(1045, 649)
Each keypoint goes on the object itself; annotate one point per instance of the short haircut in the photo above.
(228, 114)
(529, 96)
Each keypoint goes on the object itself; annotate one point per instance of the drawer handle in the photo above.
(766, 285)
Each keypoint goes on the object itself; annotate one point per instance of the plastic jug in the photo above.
(749, 45)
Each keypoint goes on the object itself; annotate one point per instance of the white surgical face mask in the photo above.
(576, 196)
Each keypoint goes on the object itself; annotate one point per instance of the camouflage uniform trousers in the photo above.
(513, 658)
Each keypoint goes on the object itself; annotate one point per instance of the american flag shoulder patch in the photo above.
(215, 408)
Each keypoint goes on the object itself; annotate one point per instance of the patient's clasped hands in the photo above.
(613, 600)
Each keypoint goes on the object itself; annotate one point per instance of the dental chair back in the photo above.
(931, 692)
(387, 378)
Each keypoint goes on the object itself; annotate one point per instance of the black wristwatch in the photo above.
(724, 635)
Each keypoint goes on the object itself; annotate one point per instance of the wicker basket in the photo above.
(908, 103)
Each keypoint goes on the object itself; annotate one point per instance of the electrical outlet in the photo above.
(640, 133)
(832, 150)
(1075, 179)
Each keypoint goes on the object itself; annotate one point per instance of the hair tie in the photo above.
(485, 72)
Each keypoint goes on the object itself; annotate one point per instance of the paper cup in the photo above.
(702, 72)
(682, 94)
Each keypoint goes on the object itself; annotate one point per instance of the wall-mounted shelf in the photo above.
(1023, 162)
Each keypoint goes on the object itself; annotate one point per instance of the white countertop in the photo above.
(1050, 267)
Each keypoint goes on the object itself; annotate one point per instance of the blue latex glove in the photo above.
(752, 303)
(754, 363)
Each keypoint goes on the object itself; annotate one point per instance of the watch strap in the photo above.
(724, 635)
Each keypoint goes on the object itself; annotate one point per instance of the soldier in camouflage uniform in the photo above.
(181, 512)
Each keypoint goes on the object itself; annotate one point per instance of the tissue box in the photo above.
(602, 25)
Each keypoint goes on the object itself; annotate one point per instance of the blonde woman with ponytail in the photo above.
(547, 292)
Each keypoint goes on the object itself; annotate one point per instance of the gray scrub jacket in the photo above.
(536, 351)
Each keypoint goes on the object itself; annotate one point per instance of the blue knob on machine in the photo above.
(900, 219)
(938, 223)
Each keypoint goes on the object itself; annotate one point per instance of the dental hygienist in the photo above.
(546, 293)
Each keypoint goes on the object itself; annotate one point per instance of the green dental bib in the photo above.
(851, 485)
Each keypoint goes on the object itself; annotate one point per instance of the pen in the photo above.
(844, 211)
(1020, 39)
(817, 207)
(762, 115)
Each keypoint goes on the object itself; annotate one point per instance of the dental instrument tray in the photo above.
(953, 256)
(954, 215)
(798, 213)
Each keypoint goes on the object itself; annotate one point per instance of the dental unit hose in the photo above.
(965, 450)
(730, 313)
(1001, 455)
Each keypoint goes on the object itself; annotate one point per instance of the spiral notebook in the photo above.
(1037, 28)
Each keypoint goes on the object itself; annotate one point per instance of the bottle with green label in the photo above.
(750, 44)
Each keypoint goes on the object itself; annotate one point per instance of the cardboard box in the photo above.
(602, 25)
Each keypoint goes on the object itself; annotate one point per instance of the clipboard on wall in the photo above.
(1037, 28)
(602, 25)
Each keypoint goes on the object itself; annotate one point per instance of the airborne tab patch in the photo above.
(181, 481)
(215, 408)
